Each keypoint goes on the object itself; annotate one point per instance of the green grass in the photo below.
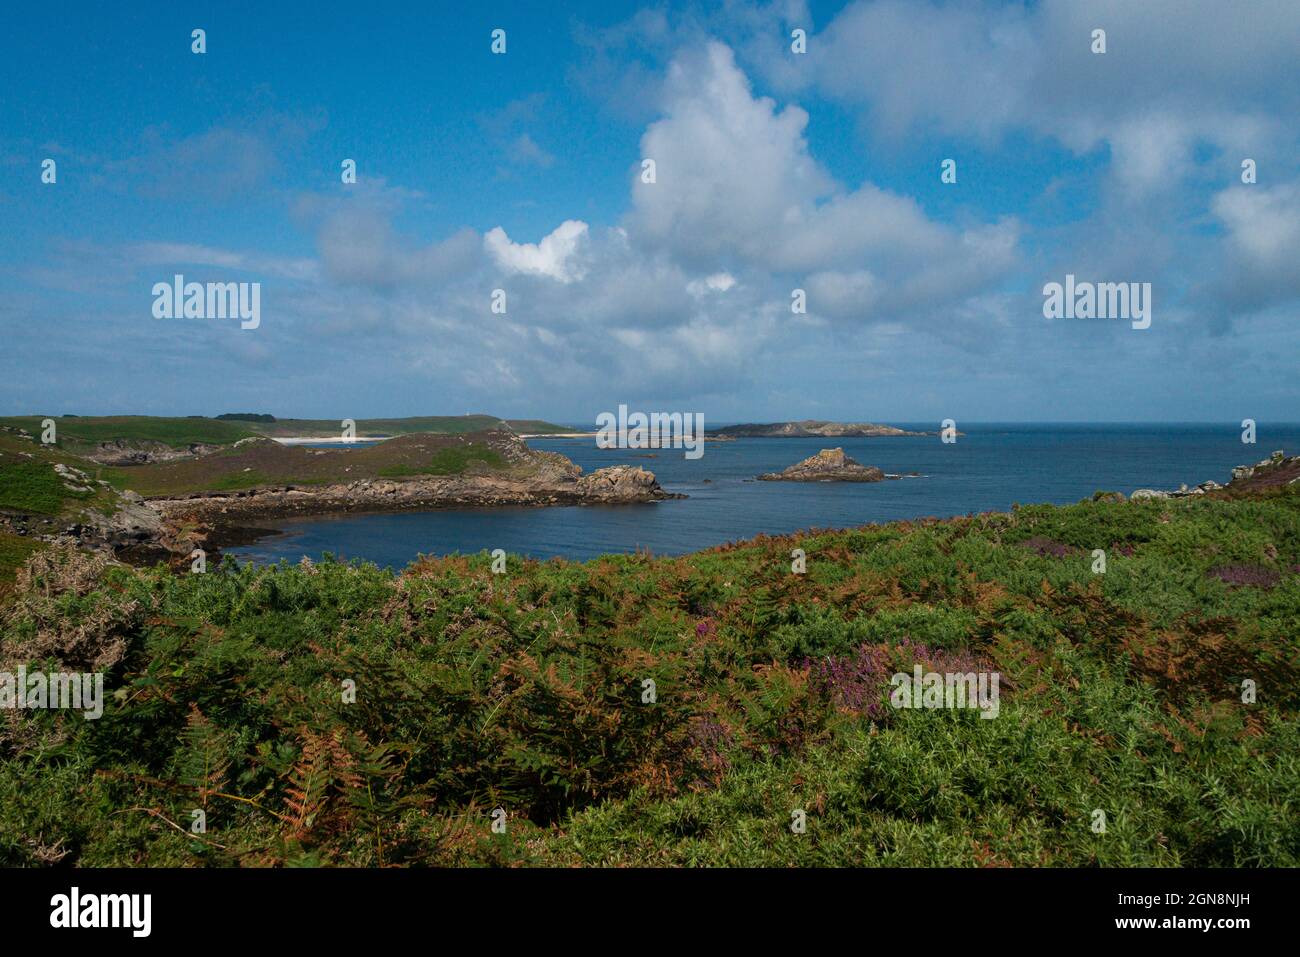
(449, 461)
(32, 485)
(1121, 692)
(175, 432)
(14, 550)
(180, 432)
(240, 480)
(267, 463)
(538, 427)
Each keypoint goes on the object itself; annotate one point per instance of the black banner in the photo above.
(335, 906)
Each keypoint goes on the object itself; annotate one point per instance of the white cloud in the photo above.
(524, 151)
(737, 184)
(554, 257)
(1255, 262)
(717, 282)
(1263, 223)
(1175, 72)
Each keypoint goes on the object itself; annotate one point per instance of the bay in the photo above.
(990, 467)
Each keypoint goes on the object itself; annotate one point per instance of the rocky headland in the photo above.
(508, 473)
(618, 485)
(172, 505)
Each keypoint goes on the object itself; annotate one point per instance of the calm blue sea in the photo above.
(991, 467)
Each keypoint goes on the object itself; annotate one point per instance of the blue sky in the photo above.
(775, 171)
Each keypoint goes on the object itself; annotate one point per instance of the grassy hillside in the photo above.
(269, 463)
(78, 431)
(178, 433)
(538, 427)
(30, 485)
(1121, 693)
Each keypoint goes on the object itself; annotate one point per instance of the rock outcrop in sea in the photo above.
(828, 465)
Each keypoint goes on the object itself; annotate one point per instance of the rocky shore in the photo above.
(1275, 471)
(169, 526)
(618, 485)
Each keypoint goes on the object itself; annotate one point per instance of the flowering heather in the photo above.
(1046, 546)
(908, 653)
(857, 682)
(860, 682)
(1242, 574)
(711, 737)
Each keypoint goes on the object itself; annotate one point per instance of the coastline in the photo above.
(170, 522)
(733, 507)
(617, 485)
(217, 519)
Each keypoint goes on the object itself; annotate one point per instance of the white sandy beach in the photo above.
(328, 439)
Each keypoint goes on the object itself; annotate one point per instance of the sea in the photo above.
(990, 467)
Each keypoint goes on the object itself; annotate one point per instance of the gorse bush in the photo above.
(633, 710)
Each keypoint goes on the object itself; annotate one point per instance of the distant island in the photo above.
(810, 428)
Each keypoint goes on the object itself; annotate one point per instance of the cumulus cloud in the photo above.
(730, 168)
(1256, 257)
(686, 291)
(554, 257)
(689, 291)
(1263, 224)
(736, 182)
(1174, 72)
